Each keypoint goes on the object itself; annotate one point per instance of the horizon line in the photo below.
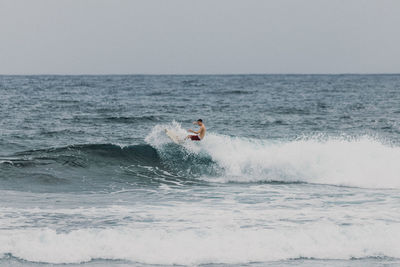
(198, 74)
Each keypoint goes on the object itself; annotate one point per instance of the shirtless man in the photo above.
(200, 133)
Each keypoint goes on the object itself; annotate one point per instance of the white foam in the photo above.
(223, 245)
(361, 162)
(157, 136)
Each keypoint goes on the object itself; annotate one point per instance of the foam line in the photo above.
(188, 247)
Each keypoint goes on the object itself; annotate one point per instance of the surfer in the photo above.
(200, 133)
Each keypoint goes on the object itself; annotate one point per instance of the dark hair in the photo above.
(200, 120)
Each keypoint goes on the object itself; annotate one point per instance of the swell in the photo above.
(119, 119)
(171, 157)
(86, 167)
(85, 154)
(100, 167)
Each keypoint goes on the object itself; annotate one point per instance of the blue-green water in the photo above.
(294, 170)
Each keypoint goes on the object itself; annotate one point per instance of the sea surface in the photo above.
(295, 170)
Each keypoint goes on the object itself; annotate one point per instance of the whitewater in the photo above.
(295, 170)
(342, 161)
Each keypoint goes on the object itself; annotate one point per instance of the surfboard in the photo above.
(174, 137)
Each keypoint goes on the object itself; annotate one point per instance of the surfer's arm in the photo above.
(190, 130)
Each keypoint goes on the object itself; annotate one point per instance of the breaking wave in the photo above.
(359, 162)
(188, 247)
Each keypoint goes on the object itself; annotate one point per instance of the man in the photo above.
(200, 133)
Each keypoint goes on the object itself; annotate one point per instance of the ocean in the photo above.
(295, 170)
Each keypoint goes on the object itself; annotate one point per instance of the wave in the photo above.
(101, 167)
(87, 167)
(210, 245)
(233, 92)
(193, 83)
(170, 158)
(82, 155)
(119, 119)
(360, 162)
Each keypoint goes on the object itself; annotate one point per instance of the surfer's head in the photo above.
(199, 122)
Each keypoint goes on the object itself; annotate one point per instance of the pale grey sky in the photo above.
(207, 36)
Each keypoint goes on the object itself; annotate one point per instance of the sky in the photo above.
(199, 37)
